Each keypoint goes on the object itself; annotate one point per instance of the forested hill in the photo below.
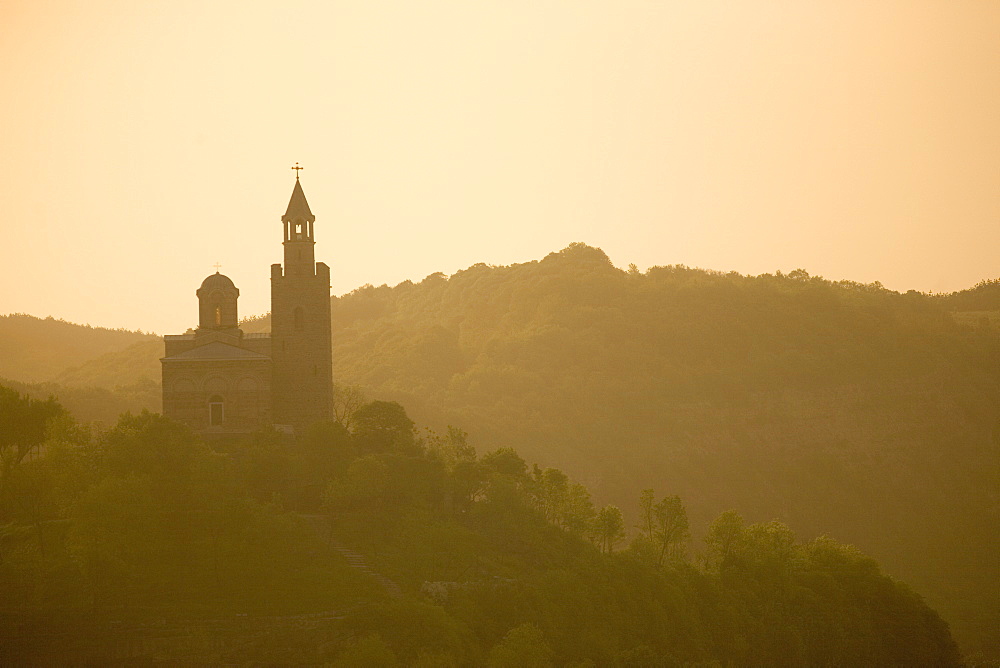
(35, 349)
(983, 297)
(836, 406)
(140, 544)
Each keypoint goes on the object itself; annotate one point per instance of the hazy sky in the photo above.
(142, 142)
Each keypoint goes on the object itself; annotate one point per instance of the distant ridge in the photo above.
(37, 349)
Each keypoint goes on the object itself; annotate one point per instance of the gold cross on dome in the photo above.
(217, 267)
(297, 170)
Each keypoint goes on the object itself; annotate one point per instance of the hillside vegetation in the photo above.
(140, 544)
(836, 407)
(137, 363)
(839, 408)
(97, 373)
(98, 405)
(36, 349)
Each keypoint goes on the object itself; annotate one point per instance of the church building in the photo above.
(221, 381)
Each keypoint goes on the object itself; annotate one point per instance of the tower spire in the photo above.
(298, 207)
(299, 236)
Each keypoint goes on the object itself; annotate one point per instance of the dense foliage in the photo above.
(839, 407)
(90, 403)
(141, 542)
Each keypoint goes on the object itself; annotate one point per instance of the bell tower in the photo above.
(299, 242)
(302, 387)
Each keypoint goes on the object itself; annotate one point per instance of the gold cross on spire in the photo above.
(297, 170)
(217, 267)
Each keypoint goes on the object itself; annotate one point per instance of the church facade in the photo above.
(221, 381)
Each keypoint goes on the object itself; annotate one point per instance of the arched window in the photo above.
(300, 318)
(218, 315)
(216, 411)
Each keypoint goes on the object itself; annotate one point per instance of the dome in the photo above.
(217, 302)
(217, 281)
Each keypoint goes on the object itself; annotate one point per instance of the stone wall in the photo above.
(243, 385)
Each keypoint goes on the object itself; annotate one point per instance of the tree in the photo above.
(578, 509)
(114, 523)
(564, 503)
(23, 423)
(453, 449)
(723, 537)
(29, 495)
(383, 425)
(647, 499)
(609, 528)
(671, 527)
(523, 647)
(770, 549)
(364, 487)
(323, 453)
(551, 487)
(505, 462)
(347, 399)
(154, 445)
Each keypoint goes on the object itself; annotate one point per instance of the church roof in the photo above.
(217, 351)
(298, 207)
(217, 281)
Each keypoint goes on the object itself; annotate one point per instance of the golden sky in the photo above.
(142, 142)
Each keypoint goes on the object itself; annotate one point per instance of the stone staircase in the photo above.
(354, 559)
